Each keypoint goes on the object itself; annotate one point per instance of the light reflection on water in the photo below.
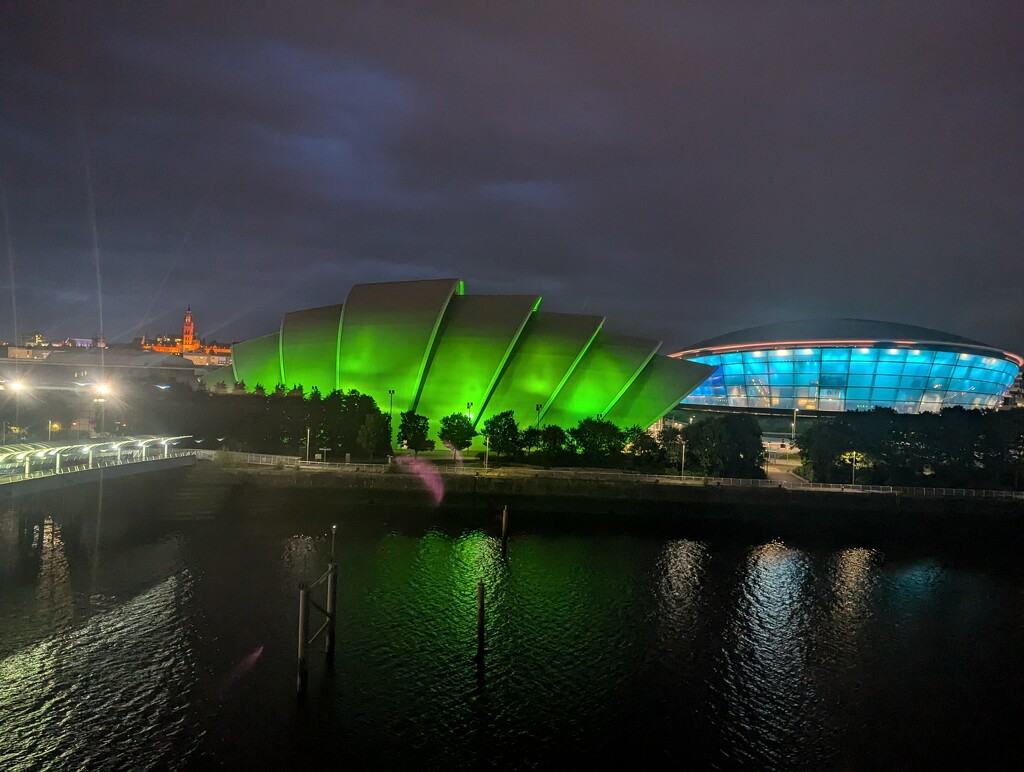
(171, 643)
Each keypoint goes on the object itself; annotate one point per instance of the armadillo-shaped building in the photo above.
(428, 347)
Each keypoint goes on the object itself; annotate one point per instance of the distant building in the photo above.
(189, 346)
(70, 368)
(27, 339)
(28, 352)
(1015, 397)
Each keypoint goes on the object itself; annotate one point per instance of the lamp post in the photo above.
(792, 436)
(469, 410)
(682, 457)
(539, 406)
(307, 444)
(391, 406)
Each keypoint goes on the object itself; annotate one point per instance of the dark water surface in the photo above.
(158, 631)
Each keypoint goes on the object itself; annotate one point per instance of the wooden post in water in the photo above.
(480, 622)
(302, 676)
(504, 532)
(332, 612)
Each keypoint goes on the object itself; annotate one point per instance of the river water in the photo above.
(159, 633)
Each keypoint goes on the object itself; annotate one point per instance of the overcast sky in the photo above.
(685, 169)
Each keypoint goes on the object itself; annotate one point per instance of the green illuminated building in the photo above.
(428, 347)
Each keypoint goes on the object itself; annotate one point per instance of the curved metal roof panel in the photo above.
(832, 329)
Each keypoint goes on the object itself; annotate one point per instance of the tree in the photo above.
(531, 438)
(503, 434)
(596, 439)
(725, 446)
(456, 433)
(373, 433)
(239, 387)
(554, 443)
(646, 451)
(412, 431)
(259, 390)
(670, 440)
(220, 387)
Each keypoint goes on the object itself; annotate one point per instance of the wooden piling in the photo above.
(332, 612)
(480, 621)
(504, 532)
(302, 675)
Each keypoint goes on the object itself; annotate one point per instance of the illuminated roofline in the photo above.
(848, 343)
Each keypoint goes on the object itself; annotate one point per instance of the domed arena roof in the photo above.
(838, 332)
(856, 330)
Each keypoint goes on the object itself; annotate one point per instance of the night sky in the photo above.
(684, 169)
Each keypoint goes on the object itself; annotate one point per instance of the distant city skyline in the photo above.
(687, 170)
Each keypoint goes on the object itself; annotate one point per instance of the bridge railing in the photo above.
(70, 467)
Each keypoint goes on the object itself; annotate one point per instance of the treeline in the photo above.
(351, 422)
(956, 448)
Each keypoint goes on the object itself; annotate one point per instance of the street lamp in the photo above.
(539, 406)
(391, 405)
(682, 457)
(469, 410)
(17, 387)
(103, 390)
(792, 436)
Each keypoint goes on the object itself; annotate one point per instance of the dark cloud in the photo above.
(684, 169)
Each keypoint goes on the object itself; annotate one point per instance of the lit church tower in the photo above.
(188, 331)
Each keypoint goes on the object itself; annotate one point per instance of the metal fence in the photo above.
(447, 470)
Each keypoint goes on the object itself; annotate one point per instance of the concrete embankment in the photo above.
(642, 503)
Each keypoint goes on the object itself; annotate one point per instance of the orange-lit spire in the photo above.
(188, 331)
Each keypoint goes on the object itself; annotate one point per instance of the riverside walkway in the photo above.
(784, 480)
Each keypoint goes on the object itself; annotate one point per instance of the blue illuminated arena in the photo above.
(850, 364)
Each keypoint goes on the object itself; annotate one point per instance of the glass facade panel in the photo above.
(834, 354)
(913, 382)
(837, 367)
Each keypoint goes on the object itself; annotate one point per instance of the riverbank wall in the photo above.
(641, 503)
